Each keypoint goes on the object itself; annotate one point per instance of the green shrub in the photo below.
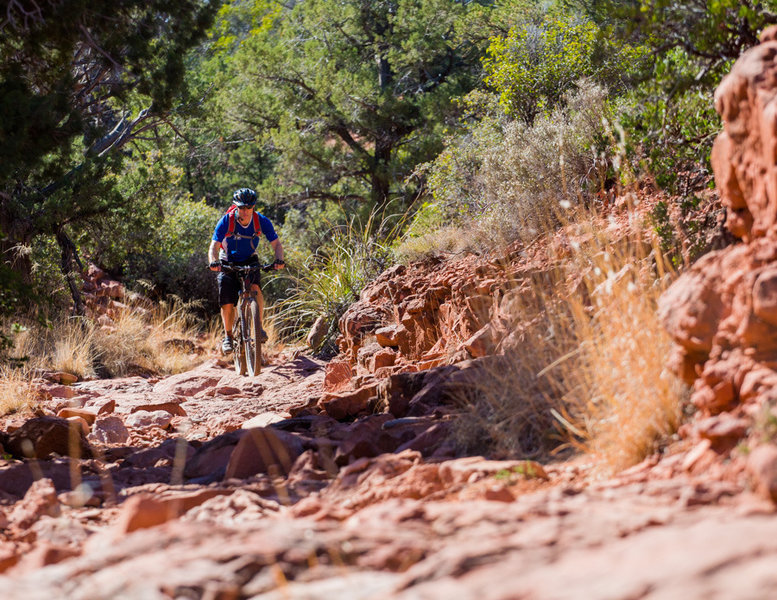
(538, 62)
(503, 179)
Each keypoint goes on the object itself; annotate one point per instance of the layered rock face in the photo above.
(722, 313)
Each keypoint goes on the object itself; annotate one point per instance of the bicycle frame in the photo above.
(247, 327)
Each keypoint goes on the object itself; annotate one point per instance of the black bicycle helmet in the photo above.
(244, 197)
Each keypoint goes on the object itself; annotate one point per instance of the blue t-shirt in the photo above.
(242, 244)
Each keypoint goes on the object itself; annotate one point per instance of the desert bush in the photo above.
(503, 180)
(540, 61)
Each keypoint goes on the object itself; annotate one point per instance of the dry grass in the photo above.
(447, 240)
(588, 363)
(162, 341)
(620, 399)
(17, 393)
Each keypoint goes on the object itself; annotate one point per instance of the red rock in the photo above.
(383, 358)
(482, 343)
(174, 408)
(107, 407)
(393, 336)
(499, 493)
(9, 556)
(189, 383)
(95, 273)
(61, 391)
(87, 415)
(366, 438)
(762, 468)
(142, 511)
(145, 419)
(701, 453)
(348, 404)
(210, 460)
(40, 500)
(42, 436)
(722, 427)
(338, 375)
(110, 288)
(317, 333)
(227, 390)
(262, 420)
(109, 429)
(45, 554)
(80, 423)
(263, 450)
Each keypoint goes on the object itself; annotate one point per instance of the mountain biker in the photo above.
(238, 245)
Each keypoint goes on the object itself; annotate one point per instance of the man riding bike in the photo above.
(235, 239)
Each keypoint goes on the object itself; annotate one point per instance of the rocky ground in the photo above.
(179, 500)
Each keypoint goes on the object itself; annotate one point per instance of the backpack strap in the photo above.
(232, 218)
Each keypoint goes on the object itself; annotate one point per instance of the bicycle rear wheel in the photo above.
(238, 352)
(252, 342)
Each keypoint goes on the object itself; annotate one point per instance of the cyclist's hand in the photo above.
(215, 265)
(279, 264)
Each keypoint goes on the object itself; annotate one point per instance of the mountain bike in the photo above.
(247, 329)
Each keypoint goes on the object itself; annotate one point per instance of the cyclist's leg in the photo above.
(229, 290)
(256, 292)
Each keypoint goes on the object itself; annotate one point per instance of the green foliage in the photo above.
(349, 96)
(711, 33)
(670, 121)
(504, 180)
(682, 228)
(78, 82)
(672, 134)
(538, 61)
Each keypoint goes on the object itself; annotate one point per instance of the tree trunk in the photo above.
(69, 260)
(379, 178)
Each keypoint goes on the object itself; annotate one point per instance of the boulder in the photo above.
(263, 450)
(762, 468)
(317, 333)
(40, 500)
(109, 429)
(42, 436)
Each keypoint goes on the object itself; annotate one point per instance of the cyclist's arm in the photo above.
(213, 254)
(277, 248)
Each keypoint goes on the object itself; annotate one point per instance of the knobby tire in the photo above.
(238, 351)
(252, 340)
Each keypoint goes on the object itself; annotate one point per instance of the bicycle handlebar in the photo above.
(225, 264)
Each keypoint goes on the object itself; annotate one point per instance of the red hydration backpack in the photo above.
(232, 214)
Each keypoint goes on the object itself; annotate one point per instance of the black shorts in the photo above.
(229, 285)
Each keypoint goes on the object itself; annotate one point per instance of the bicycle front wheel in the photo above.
(252, 340)
(238, 352)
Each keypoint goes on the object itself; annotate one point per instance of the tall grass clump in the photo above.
(621, 401)
(17, 393)
(586, 366)
(162, 340)
(508, 409)
(332, 278)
